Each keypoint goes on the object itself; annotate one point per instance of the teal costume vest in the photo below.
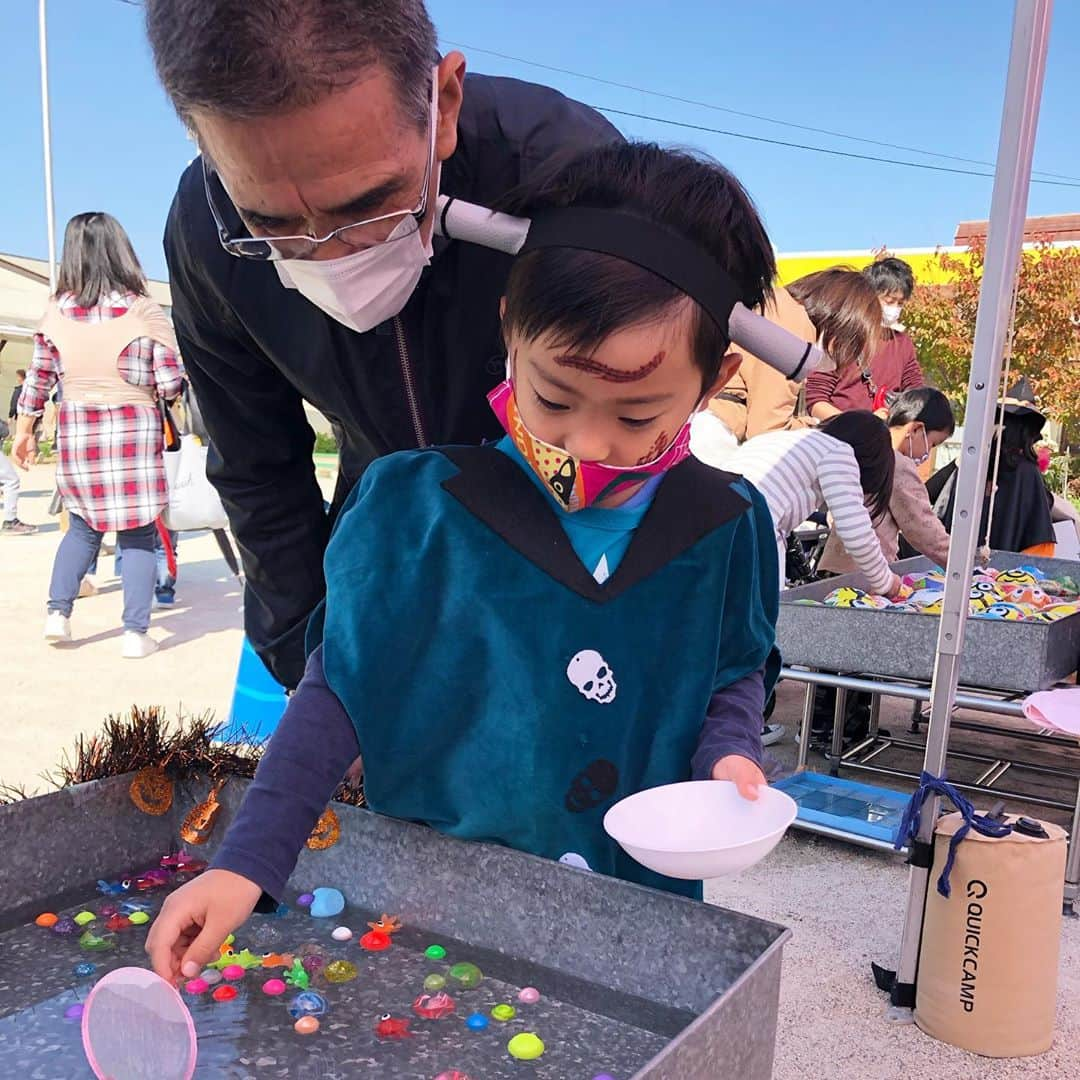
(499, 692)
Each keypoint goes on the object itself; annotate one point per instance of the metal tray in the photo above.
(1023, 656)
(634, 982)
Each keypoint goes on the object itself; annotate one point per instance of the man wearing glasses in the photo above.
(303, 263)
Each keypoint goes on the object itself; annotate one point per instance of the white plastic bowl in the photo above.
(699, 829)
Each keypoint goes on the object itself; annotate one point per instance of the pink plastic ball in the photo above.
(196, 986)
(273, 987)
(529, 995)
(233, 972)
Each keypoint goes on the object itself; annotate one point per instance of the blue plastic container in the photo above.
(258, 701)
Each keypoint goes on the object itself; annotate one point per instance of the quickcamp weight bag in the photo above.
(988, 962)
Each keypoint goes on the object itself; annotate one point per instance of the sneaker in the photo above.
(772, 733)
(136, 645)
(57, 628)
(15, 527)
(87, 587)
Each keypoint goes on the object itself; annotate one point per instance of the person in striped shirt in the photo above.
(845, 466)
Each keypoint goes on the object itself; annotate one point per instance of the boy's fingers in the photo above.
(205, 947)
(748, 787)
(164, 934)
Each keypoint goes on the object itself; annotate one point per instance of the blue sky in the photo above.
(925, 74)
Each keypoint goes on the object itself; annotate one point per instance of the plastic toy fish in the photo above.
(1009, 612)
(297, 975)
(273, 959)
(152, 879)
(129, 907)
(1021, 575)
(1028, 594)
(227, 945)
(393, 1027)
(434, 1006)
(387, 924)
(1058, 611)
(848, 597)
(245, 959)
(114, 888)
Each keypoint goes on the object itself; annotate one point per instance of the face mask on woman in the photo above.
(911, 447)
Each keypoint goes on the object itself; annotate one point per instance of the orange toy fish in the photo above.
(388, 924)
(273, 959)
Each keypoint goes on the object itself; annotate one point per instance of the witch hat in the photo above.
(1020, 400)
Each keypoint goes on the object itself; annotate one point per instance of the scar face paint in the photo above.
(609, 374)
(573, 482)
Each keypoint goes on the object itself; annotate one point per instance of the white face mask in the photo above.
(890, 314)
(367, 287)
(911, 448)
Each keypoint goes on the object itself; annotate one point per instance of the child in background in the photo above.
(516, 636)
(846, 466)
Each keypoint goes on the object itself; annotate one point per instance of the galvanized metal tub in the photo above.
(999, 655)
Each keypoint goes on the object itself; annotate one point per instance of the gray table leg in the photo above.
(805, 726)
(1072, 863)
(838, 731)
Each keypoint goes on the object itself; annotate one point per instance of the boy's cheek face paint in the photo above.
(656, 449)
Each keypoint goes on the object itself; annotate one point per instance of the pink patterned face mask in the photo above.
(577, 484)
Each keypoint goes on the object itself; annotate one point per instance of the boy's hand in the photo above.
(747, 776)
(196, 919)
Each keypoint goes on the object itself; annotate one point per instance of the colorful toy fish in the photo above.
(152, 879)
(848, 597)
(114, 888)
(1009, 612)
(1021, 575)
(393, 1027)
(1028, 594)
(387, 924)
(129, 907)
(1058, 611)
(245, 959)
(434, 1006)
(273, 959)
(297, 975)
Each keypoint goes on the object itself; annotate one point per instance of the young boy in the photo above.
(515, 636)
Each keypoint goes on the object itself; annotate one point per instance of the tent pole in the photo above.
(1008, 207)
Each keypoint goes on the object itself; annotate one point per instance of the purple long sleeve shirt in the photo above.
(315, 743)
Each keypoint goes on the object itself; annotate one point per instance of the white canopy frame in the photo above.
(1012, 176)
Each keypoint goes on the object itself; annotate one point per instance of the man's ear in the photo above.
(728, 367)
(450, 76)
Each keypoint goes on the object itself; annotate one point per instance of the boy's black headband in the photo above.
(646, 244)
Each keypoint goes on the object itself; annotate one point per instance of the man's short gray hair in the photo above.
(248, 58)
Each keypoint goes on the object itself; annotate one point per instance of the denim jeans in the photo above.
(79, 549)
(9, 482)
(164, 582)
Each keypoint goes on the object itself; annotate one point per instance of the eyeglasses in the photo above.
(369, 233)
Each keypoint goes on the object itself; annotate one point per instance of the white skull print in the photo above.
(593, 677)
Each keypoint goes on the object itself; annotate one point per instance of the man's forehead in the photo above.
(323, 154)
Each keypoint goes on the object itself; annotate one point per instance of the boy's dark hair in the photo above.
(247, 58)
(583, 297)
(97, 259)
(20, 372)
(891, 275)
(923, 405)
(845, 311)
(868, 437)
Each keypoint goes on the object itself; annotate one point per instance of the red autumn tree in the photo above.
(1046, 345)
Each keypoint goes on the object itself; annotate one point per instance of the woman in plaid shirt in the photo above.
(113, 349)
